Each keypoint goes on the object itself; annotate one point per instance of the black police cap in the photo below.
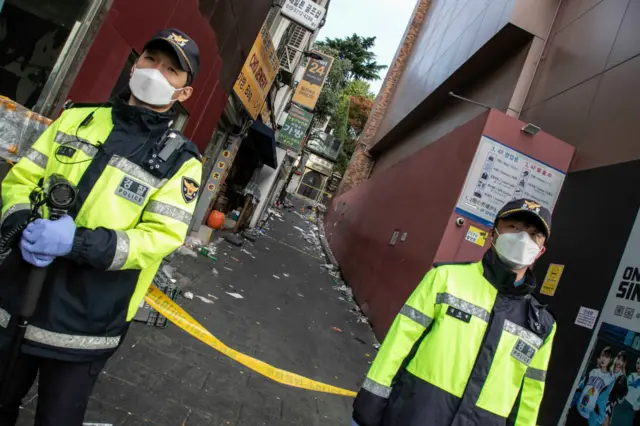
(184, 46)
(537, 213)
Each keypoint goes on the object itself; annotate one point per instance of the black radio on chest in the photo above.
(164, 153)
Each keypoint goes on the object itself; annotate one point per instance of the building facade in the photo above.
(569, 67)
(83, 50)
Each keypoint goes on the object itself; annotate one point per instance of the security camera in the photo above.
(460, 221)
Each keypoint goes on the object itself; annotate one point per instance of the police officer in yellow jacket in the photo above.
(137, 182)
(471, 345)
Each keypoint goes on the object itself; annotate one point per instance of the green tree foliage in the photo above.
(359, 110)
(356, 49)
(340, 122)
(359, 88)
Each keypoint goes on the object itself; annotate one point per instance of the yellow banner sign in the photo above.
(257, 74)
(551, 280)
(311, 84)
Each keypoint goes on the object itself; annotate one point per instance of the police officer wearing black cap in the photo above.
(471, 346)
(137, 182)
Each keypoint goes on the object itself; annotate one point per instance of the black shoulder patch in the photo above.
(69, 104)
(189, 189)
(438, 264)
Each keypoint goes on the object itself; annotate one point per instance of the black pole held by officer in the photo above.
(134, 183)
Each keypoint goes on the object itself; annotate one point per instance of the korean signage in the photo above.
(257, 74)
(295, 128)
(500, 174)
(304, 12)
(611, 364)
(311, 84)
(623, 304)
(319, 164)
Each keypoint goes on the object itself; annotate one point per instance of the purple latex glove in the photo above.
(49, 237)
(39, 260)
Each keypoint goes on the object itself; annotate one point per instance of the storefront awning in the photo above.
(265, 142)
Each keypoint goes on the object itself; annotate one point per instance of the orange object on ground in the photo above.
(215, 219)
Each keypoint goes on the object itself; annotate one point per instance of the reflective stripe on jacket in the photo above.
(468, 348)
(127, 219)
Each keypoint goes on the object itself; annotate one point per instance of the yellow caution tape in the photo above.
(174, 313)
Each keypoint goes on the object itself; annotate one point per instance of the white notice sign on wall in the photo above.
(586, 317)
(499, 174)
(304, 12)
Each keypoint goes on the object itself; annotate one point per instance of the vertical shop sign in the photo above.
(257, 74)
(295, 128)
(310, 86)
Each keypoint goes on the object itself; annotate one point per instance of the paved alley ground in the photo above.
(287, 317)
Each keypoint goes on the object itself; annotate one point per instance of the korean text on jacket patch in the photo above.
(523, 352)
(189, 189)
(66, 151)
(133, 191)
(457, 313)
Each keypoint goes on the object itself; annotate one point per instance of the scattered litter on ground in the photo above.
(214, 271)
(185, 251)
(286, 275)
(168, 271)
(376, 346)
(248, 252)
(367, 355)
(279, 309)
(193, 243)
(236, 295)
(188, 295)
(204, 299)
(267, 249)
(237, 260)
(211, 295)
(228, 269)
(301, 295)
(276, 277)
(336, 329)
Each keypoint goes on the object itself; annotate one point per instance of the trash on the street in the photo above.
(376, 346)
(209, 251)
(168, 271)
(237, 260)
(301, 295)
(247, 252)
(211, 295)
(193, 243)
(276, 277)
(185, 251)
(235, 239)
(285, 275)
(188, 295)
(228, 269)
(214, 271)
(204, 299)
(236, 295)
(336, 329)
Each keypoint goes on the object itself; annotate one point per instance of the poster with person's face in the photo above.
(608, 390)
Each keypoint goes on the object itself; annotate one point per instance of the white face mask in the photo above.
(151, 87)
(517, 250)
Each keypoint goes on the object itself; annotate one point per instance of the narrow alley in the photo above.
(290, 316)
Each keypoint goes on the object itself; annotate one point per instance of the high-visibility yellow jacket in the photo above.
(468, 348)
(128, 219)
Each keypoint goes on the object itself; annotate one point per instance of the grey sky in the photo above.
(385, 19)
